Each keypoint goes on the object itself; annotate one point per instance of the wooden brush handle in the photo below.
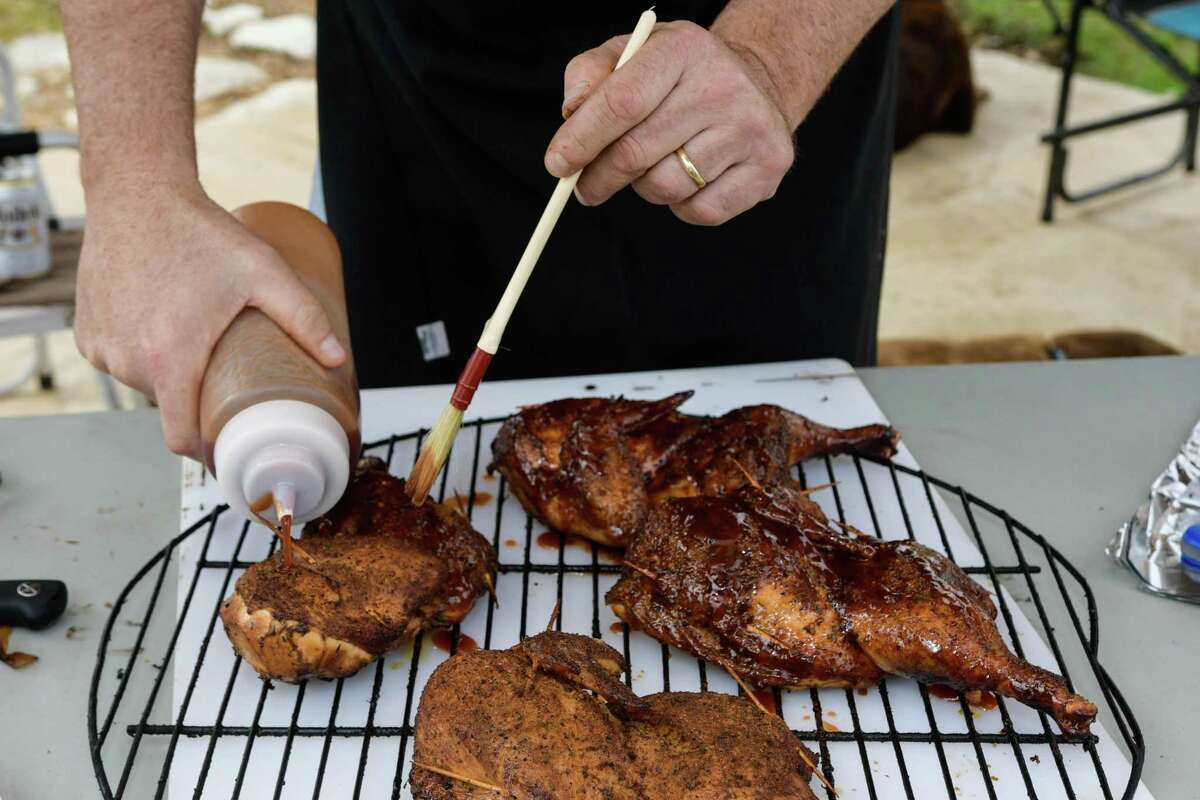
(489, 341)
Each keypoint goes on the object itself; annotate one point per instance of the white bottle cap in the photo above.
(284, 446)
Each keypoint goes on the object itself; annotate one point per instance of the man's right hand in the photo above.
(163, 273)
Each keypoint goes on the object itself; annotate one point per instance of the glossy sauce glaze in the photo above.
(761, 583)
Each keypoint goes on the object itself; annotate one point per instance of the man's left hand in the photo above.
(688, 88)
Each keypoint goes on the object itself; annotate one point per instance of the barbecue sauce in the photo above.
(294, 421)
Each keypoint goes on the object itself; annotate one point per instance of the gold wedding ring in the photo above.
(690, 168)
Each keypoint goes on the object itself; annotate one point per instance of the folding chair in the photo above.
(1181, 17)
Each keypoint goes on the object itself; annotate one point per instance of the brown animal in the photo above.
(377, 570)
(934, 88)
(594, 467)
(758, 582)
(1021, 347)
(550, 717)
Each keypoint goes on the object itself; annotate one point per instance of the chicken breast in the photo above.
(379, 569)
(550, 717)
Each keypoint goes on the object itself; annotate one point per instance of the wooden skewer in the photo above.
(745, 688)
(818, 488)
(754, 699)
(757, 631)
(457, 777)
(554, 615)
(642, 570)
(746, 472)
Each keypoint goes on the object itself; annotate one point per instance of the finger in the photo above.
(680, 116)
(588, 70)
(621, 101)
(740, 188)
(712, 151)
(177, 393)
(281, 296)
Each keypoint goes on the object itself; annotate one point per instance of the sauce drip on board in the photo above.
(443, 640)
(980, 698)
(552, 540)
(767, 698)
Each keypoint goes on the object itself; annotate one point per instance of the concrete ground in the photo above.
(967, 254)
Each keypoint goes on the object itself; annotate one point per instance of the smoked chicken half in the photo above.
(595, 466)
(550, 717)
(758, 582)
(377, 570)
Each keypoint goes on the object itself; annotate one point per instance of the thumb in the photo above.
(279, 294)
(588, 70)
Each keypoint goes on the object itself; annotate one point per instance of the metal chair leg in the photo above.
(1190, 137)
(1058, 152)
(45, 370)
(1055, 20)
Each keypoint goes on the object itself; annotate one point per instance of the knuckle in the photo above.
(577, 64)
(779, 158)
(623, 99)
(657, 188)
(689, 31)
(177, 441)
(308, 317)
(85, 345)
(628, 156)
(583, 191)
(705, 213)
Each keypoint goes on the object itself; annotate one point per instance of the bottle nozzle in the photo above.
(284, 500)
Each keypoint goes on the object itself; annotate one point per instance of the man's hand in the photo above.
(731, 97)
(685, 88)
(163, 272)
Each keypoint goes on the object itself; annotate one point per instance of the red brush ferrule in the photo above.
(469, 380)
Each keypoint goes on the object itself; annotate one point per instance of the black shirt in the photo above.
(434, 118)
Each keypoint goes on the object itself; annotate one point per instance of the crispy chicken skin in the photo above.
(759, 582)
(550, 717)
(595, 466)
(382, 570)
(915, 613)
(741, 586)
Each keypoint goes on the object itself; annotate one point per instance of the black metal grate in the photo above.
(900, 741)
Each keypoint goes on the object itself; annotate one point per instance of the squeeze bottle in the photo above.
(279, 429)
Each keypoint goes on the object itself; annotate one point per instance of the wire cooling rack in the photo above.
(220, 731)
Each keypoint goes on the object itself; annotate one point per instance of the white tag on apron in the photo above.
(434, 342)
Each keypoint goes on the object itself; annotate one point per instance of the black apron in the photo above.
(434, 118)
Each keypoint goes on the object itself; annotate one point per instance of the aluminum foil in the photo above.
(1149, 544)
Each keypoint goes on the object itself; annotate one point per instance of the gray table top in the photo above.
(1068, 448)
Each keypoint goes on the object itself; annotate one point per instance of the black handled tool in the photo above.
(31, 603)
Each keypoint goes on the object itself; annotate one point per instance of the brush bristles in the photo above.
(434, 453)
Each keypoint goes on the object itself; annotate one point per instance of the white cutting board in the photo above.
(828, 391)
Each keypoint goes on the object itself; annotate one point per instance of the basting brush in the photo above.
(441, 437)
